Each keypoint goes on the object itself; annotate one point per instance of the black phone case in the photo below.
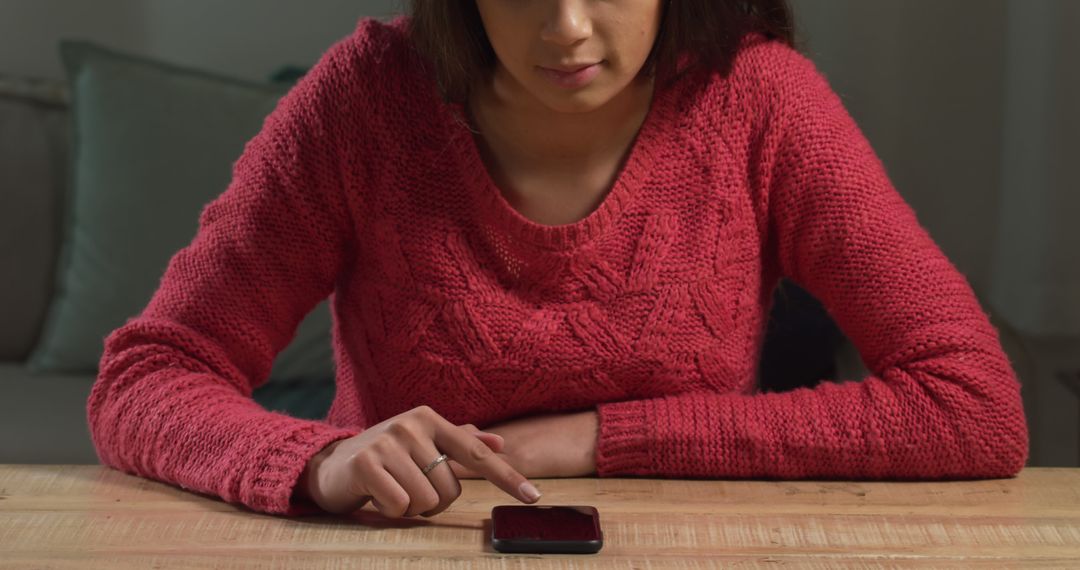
(526, 545)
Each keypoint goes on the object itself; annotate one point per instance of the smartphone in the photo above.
(546, 529)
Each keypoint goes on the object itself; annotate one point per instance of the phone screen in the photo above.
(524, 524)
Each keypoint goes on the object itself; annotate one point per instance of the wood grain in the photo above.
(94, 517)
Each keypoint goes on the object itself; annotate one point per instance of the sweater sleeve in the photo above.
(172, 400)
(941, 400)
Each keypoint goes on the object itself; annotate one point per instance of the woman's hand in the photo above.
(383, 465)
(555, 445)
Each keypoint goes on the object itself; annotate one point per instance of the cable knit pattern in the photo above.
(363, 185)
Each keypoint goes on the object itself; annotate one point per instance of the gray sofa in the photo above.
(43, 415)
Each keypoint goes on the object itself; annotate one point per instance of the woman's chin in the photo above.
(574, 103)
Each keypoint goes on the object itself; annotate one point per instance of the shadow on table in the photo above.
(372, 518)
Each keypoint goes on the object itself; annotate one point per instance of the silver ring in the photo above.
(435, 463)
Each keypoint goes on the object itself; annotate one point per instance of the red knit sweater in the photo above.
(363, 186)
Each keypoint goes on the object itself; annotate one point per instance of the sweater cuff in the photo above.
(622, 447)
(274, 484)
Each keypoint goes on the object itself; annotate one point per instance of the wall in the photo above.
(245, 38)
(1037, 270)
(30, 29)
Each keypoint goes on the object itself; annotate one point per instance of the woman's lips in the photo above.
(571, 79)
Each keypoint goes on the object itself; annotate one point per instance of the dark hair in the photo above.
(450, 35)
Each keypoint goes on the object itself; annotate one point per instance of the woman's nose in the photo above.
(567, 23)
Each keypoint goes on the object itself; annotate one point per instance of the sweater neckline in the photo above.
(633, 174)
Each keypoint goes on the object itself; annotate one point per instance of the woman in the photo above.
(561, 220)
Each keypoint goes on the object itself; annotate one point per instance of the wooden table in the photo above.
(93, 517)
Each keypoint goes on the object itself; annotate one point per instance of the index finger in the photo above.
(473, 453)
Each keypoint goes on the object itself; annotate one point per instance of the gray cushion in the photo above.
(33, 171)
(154, 144)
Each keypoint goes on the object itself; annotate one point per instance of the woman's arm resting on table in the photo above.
(172, 400)
(942, 400)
